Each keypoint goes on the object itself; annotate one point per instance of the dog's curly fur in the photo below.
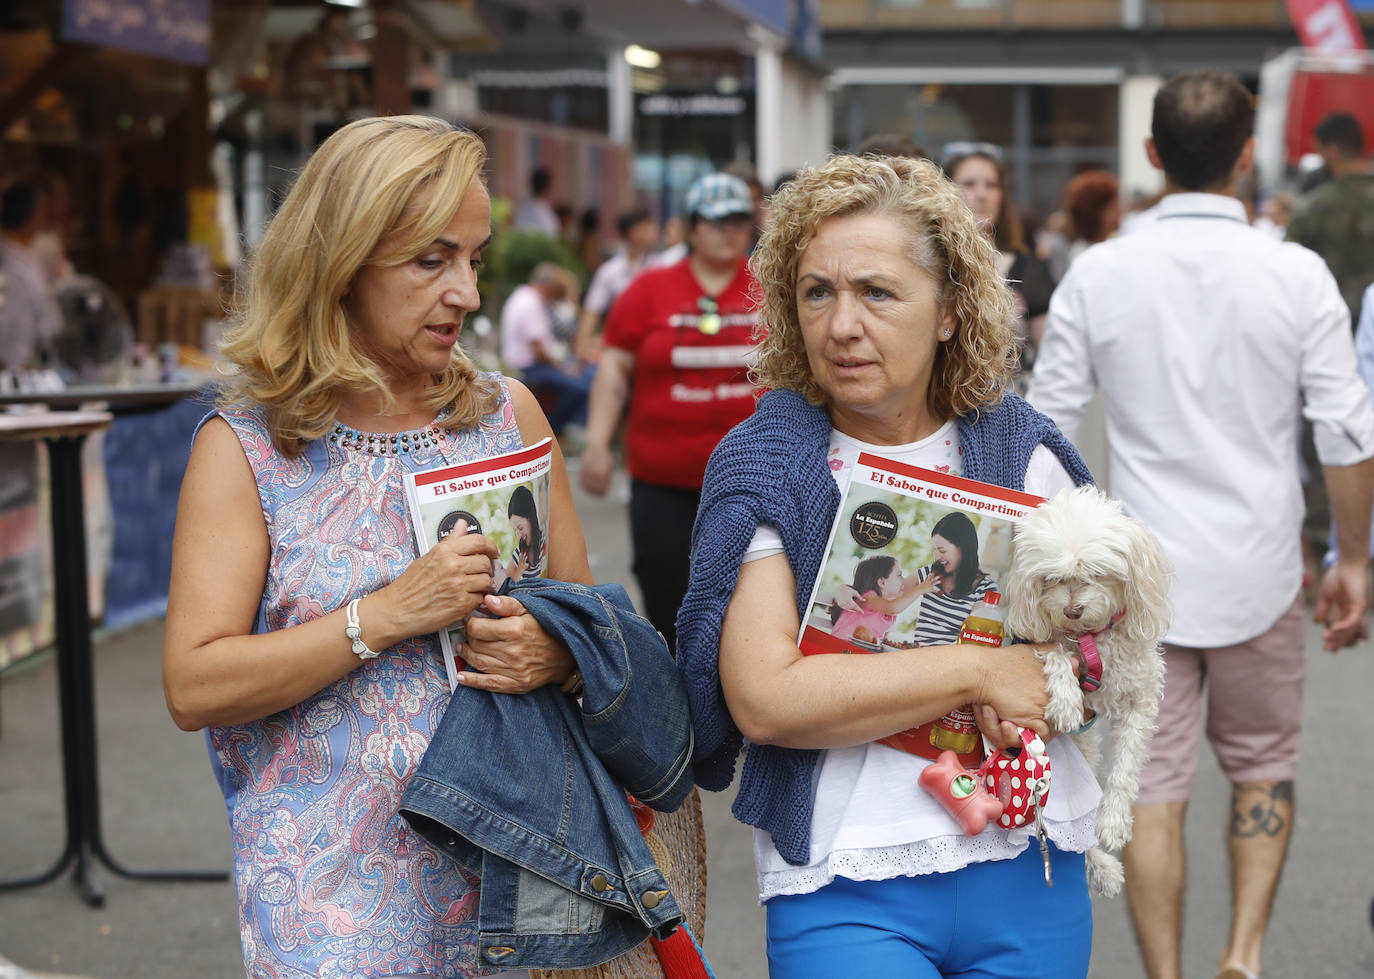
(1077, 561)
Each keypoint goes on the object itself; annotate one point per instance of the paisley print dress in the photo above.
(331, 882)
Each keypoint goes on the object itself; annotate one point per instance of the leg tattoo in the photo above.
(1263, 812)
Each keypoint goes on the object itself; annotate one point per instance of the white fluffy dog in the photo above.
(1081, 567)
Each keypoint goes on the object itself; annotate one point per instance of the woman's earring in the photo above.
(947, 334)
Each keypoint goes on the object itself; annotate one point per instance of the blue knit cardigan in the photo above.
(771, 468)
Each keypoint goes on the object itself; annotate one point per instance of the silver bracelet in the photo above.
(354, 632)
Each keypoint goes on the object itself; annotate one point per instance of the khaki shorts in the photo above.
(1254, 710)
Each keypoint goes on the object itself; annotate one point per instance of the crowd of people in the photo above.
(879, 302)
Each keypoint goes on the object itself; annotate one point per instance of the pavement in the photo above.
(161, 807)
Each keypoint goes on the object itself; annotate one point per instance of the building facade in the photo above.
(1060, 86)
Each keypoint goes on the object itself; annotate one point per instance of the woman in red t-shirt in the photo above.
(674, 350)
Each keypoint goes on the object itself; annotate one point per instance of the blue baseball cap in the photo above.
(719, 195)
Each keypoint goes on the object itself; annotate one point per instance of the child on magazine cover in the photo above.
(878, 577)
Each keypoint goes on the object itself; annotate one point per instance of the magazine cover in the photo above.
(505, 497)
(915, 559)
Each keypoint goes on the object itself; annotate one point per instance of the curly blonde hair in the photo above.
(397, 179)
(974, 368)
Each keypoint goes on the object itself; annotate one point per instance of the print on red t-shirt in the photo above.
(690, 388)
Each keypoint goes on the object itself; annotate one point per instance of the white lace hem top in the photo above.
(872, 820)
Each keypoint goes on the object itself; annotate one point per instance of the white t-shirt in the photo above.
(871, 819)
(537, 215)
(610, 280)
(670, 255)
(524, 322)
(1208, 340)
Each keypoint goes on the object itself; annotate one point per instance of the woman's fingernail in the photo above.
(462, 678)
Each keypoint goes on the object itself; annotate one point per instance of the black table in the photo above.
(118, 400)
(64, 432)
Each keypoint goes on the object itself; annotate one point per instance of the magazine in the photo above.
(505, 497)
(918, 555)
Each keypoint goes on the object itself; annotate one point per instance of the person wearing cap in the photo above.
(674, 351)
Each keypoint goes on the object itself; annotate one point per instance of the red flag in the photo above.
(1326, 25)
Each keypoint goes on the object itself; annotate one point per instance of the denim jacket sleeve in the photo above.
(634, 700)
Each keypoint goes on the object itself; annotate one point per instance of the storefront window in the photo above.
(693, 114)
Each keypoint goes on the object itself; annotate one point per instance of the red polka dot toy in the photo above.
(1020, 779)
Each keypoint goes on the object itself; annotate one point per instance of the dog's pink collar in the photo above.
(1091, 679)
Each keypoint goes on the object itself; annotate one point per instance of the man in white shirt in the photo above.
(638, 235)
(528, 346)
(1207, 339)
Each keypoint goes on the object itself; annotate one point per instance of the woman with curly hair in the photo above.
(886, 327)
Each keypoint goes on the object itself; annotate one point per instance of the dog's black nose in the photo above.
(1073, 611)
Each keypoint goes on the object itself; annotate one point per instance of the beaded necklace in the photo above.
(388, 443)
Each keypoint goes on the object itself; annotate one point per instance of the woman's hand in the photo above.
(595, 468)
(515, 570)
(1000, 734)
(847, 597)
(512, 650)
(1014, 689)
(1003, 734)
(439, 588)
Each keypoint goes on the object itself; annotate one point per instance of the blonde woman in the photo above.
(292, 528)
(889, 329)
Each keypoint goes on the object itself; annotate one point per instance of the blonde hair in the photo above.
(397, 179)
(974, 368)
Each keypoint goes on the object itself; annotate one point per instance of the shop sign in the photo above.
(175, 29)
(693, 104)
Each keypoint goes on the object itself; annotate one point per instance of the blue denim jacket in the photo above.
(529, 791)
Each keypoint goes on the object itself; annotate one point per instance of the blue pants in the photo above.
(567, 394)
(994, 920)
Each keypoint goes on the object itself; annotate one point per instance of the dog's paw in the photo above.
(1064, 714)
(1105, 873)
(1114, 826)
